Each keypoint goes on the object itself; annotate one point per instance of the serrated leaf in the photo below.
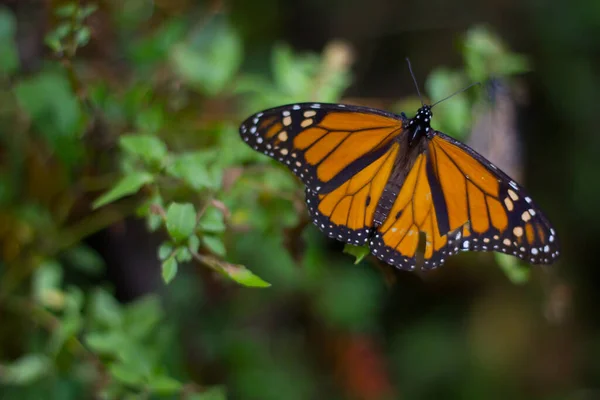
(181, 221)
(243, 276)
(128, 185)
(147, 147)
(26, 370)
(359, 252)
(212, 220)
(214, 244)
(164, 385)
(169, 269)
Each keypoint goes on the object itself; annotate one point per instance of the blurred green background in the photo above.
(147, 253)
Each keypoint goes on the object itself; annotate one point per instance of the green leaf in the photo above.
(454, 115)
(86, 11)
(214, 244)
(513, 268)
(142, 317)
(46, 285)
(164, 385)
(55, 111)
(26, 370)
(486, 56)
(192, 168)
(71, 321)
(183, 254)
(146, 147)
(105, 310)
(125, 374)
(181, 221)
(359, 252)
(86, 260)
(128, 185)
(82, 36)
(9, 58)
(106, 343)
(243, 276)
(165, 250)
(211, 60)
(292, 75)
(154, 221)
(212, 221)
(194, 243)
(169, 269)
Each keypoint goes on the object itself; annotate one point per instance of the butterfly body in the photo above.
(384, 180)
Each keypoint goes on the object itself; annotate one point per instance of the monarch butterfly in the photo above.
(377, 178)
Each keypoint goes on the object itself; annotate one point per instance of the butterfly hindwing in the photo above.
(414, 213)
(500, 214)
(346, 212)
(458, 200)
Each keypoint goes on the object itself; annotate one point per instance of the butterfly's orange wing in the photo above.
(343, 154)
(461, 201)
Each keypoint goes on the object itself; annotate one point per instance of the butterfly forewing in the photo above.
(323, 144)
(346, 213)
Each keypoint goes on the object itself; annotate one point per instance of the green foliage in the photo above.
(84, 150)
(27, 369)
(9, 59)
(485, 58)
(195, 60)
(71, 33)
(297, 78)
(56, 113)
(513, 268)
(359, 252)
(129, 184)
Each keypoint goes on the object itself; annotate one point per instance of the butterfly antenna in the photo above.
(415, 81)
(455, 93)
